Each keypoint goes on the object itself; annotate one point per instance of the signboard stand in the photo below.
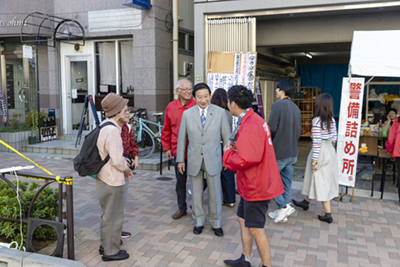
(88, 101)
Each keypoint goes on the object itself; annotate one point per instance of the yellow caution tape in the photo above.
(67, 181)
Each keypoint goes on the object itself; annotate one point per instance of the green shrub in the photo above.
(45, 207)
(20, 128)
(14, 121)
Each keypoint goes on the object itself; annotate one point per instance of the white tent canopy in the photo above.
(375, 53)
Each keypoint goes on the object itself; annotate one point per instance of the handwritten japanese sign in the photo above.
(349, 129)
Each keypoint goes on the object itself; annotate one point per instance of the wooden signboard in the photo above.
(231, 68)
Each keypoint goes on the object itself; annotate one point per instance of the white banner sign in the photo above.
(349, 129)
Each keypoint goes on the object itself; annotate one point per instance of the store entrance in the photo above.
(76, 91)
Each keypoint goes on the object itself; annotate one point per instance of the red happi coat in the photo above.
(255, 164)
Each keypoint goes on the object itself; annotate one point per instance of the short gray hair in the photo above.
(178, 83)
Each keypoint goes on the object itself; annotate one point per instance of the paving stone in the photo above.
(363, 233)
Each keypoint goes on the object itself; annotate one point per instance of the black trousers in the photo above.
(180, 188)
(398, 176)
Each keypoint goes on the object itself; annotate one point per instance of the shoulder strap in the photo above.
(106, 124)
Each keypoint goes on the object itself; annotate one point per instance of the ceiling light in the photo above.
(308, 55)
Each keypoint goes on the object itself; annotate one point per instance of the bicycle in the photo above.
(143, 135)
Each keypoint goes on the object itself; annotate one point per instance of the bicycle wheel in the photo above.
(146, 145)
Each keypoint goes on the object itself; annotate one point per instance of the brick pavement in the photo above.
(364, 233)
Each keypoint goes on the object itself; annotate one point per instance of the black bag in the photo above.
(89, 162)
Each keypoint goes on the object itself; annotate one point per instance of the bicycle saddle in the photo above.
(158, 114)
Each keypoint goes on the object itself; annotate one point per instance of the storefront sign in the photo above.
(27, 51)
(12, 23)
(349, 129)
(143, 3)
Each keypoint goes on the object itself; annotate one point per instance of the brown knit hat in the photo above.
(113, 104)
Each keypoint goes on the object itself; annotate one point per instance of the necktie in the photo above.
(203, 119)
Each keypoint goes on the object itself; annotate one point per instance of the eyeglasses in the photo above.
(186, 89)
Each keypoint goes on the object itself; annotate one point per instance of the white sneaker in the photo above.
(273, 214)
(283, 213)
(189, 192)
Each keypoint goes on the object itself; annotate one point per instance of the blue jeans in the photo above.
(285, 167)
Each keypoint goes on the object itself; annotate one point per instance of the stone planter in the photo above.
(15, 140)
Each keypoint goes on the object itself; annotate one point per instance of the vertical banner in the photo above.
(349, 129)
(259, 99)
(210, 81)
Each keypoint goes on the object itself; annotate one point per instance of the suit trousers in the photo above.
(180, 188)
(214, 198)
(111, 200)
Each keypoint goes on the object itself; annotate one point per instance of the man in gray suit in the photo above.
(204, 126)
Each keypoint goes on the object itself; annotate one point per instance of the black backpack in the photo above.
(89, 162)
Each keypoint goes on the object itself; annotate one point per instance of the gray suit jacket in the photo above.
(203, 144)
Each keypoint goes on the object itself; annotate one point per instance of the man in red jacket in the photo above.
(250, 153)
(169, 137)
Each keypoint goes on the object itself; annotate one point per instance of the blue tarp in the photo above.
(327, 77)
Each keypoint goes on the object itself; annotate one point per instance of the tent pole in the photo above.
(369, 80)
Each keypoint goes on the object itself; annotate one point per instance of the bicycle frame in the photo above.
(142, 124)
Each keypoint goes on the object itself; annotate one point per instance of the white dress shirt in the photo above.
(205, 111)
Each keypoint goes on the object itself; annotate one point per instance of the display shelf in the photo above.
(305, 100)
(48, 133)
(368, 99)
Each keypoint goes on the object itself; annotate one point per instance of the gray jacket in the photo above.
(203, 144)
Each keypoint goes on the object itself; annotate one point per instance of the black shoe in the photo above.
(302, 204)
(118, 257)
(326, 218)
(218, 231)
(101, 250)
(198, 230)
(241, 262)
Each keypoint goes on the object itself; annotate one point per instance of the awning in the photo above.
(375, 53)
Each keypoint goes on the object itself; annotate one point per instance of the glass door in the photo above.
(77, 89)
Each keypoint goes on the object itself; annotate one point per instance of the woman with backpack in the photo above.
(111, 178)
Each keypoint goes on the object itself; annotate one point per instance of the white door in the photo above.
(78, 84)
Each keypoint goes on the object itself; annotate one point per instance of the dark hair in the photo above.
(241, 95)
(288, 86)
(392, 109)
(220, 98)
(200, 86)
(324, 110)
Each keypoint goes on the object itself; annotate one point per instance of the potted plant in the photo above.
(31, 120)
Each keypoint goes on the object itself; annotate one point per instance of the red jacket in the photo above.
(170, 131)
(393, 143)
(256, 169)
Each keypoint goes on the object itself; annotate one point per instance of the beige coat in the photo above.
(109, 142)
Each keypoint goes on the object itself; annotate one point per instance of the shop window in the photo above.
(114, 67)
(186, 42)
(17, 76)
(182, 40)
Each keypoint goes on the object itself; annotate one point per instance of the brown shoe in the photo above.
(229, 205)
(179, 214)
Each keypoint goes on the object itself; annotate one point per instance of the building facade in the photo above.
(287, 34)
(127, 49)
